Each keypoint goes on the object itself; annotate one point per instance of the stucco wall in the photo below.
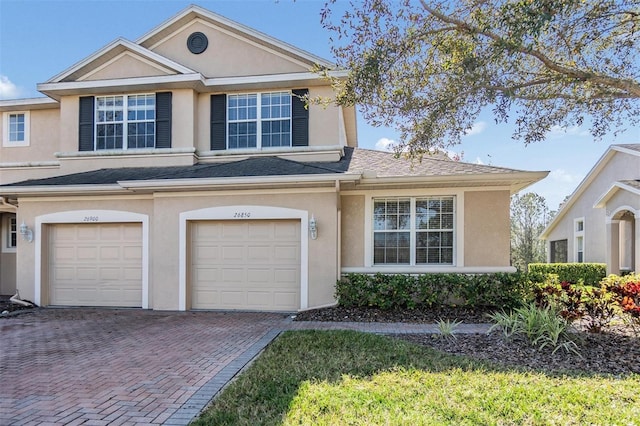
(127, 65)
(486, 228)
(164, 244)
(43, 139)
(620, 167)
(226, 54)
(352, 251)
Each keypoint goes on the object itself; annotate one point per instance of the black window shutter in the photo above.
(218, 122)
(163, 119)
(86, 116)
(299, 119)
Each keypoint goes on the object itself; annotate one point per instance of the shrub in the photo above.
(401, 291)
(585, 273)
(626, 291)
(540, 326)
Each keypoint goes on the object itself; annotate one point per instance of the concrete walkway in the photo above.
(111, 367)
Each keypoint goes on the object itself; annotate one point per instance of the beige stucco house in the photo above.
(600, 221)
(183, 171)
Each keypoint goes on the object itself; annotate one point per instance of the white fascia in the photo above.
(122, 84)
(28, 104)
(237, 181)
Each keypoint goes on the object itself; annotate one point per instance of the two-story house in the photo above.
(185, 171)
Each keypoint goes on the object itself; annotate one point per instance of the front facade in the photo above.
(186, 171)
(600, 221)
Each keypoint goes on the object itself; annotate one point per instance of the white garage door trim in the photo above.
(245, 213)
(92, 216)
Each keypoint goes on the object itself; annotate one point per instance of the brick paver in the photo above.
(136, 367)
(103, 366)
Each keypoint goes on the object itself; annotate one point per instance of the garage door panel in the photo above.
(94, 265)
(259, 265)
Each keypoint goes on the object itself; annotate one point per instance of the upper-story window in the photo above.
(16, 125)
(120, 122)
(259, 120)
(125, 122)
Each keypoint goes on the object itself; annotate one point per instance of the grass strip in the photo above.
(352, 378)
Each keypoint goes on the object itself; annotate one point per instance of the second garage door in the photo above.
(252, 264)
(95, 264)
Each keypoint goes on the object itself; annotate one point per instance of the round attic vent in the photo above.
(197, 43)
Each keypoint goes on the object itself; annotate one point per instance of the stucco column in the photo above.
(613, 247)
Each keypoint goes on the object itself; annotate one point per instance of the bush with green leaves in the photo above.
(584, 273)
(402, 291)
(541, 327)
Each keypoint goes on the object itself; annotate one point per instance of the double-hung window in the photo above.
(9, 227)
(125, 122)
(259, 120)
(578, 231)
(414, 230)
(16, 125)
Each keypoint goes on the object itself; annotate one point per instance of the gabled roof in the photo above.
(632, 149)
(632, 186)
(172, 24)
(109, 52)
(357, 165)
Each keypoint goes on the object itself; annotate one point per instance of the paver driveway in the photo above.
(101, 366)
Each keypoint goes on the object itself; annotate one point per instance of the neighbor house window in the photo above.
(16, 125)
(125, 122)
(413, 231)
(579, 240)
(259, 120)
(558, 251)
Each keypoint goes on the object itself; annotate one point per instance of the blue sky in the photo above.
(41, 38)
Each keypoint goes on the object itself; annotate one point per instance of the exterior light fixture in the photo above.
(313, 228)
(26, 232)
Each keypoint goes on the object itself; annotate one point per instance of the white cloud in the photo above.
(564, 177)
(8, 90)
(557, 132)
(476, 129)
(479, 161)
(385, 144)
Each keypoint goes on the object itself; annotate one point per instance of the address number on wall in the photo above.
(241, 215)
(91, 219)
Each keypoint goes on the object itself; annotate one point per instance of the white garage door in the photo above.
(253, 265)
(95, 264)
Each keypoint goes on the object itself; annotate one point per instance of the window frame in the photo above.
(6, 133)
(579, 240)
(414, 230)
(125, 122)
(9, 233)
(553, 251)
(259, 119)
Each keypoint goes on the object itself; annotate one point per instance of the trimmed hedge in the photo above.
(401, 291)
(575, 273)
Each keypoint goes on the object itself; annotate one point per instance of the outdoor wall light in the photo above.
(313, 228)
(26, 232)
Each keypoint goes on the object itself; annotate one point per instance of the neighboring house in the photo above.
(184, 171)
(600, 221)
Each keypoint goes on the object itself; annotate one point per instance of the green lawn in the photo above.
(351, 378)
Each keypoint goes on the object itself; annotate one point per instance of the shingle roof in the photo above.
(631, 146)
(355, 160)
(386, 164)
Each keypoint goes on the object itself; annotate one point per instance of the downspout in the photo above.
(339, 231)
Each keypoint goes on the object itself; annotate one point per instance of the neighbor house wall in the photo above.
(621, 166)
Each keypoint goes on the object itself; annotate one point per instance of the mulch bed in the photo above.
(615, 351)
(8, 308)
